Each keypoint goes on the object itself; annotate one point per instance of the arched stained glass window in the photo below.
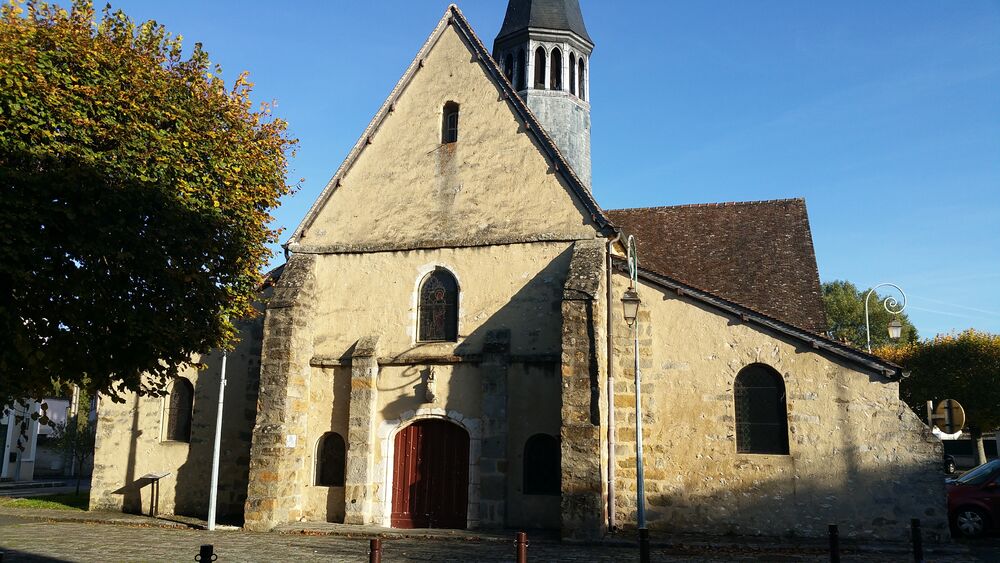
(542, 465)
(540, 69)
(438, 307)
(761, 419)
(331, 458)
(180, 402)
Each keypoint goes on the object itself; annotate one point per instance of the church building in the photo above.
(445, 346)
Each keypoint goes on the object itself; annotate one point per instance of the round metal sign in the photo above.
(949, 416)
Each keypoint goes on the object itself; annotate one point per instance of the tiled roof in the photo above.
(758, 254)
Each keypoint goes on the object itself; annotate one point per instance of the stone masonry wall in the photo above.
(583, 504)
(277, 459)
(858, 457)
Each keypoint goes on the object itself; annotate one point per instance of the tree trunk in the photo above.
(979, 449)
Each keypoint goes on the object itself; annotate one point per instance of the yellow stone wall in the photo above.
(407, 188)
(858, 456)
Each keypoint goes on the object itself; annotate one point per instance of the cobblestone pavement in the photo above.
(33, 541)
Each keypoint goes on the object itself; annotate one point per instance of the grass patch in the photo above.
(57, 502)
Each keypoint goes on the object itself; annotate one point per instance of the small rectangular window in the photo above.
(450, 125)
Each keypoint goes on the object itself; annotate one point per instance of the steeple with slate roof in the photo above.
(544, 50)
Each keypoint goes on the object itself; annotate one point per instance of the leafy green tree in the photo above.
(964, 367)
(135, 198)
(845, 316)
(75, 438)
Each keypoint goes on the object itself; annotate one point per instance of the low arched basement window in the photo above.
(542, 466)
(331, 457)
(761, 419)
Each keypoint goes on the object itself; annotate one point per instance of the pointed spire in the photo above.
(559, 15)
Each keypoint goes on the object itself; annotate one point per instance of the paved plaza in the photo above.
(23, 539)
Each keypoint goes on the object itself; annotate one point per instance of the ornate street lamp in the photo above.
(630, 305)
(630, 309)
(895, 329)
(892, 306)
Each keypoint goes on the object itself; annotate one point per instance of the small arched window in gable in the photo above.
(572, 73)
(522, 70)
(556, 79)
(180, 402)
(331, 458)
(449, 125)
(542, 465)
(508, 67)
(582, 79)
(761, 419)
(540, 69)
(438, 315)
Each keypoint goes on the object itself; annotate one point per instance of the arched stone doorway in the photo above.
(430, 485)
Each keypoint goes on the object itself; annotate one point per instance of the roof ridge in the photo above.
(715, 204)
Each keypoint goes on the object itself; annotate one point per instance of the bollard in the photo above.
(375, 551)
(206, 554)
(834, 544)
(918, 541)
(522, 547)
(643, 545)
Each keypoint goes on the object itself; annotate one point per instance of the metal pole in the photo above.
(206, 554)
(639, 480)
(643, 545)
(522, 547)
(918, 541)
(834, 544)
(375, 551)
(213, 495)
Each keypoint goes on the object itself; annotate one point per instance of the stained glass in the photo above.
(438, 307)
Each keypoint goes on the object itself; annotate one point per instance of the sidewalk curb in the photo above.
(113, 519)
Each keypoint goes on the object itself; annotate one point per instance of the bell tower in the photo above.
(544, 50)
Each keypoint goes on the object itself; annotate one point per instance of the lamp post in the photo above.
(214, 492)
(630, 308)
(892, 306)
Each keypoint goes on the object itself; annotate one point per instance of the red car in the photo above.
(974, 500)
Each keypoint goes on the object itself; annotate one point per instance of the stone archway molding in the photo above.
(387, 436)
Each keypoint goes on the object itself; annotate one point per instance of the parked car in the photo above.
(974, 500)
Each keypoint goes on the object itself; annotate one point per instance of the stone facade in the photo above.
(858, 456)
(131, 442)
(503, 212)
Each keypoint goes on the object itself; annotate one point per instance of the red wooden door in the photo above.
(430, 486)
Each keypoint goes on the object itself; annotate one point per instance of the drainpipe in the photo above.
(611, 390)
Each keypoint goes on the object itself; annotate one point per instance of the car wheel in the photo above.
(949, 467)
(971, 522)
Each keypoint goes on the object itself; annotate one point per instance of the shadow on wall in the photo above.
(873, 504)
(527, 315)
(239, 415)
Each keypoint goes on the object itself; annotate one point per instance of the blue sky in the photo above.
(884, 115)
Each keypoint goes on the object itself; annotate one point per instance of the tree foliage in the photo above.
(964, 367)
(845, 316)
(136, 196)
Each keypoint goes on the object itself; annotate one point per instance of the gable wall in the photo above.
(408, 190)
(858, 456)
